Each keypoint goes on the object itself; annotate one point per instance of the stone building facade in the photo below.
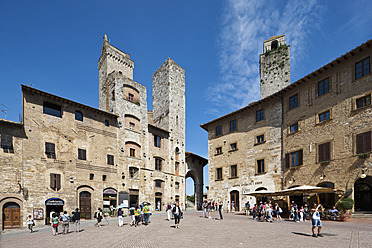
(65, 155)
(316, 131)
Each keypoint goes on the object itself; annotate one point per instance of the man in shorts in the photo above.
(315, 219)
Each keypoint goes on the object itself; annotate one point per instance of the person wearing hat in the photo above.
(76, 220)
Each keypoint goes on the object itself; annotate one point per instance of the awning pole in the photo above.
(317, 198)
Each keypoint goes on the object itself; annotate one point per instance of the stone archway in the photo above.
(195, 166)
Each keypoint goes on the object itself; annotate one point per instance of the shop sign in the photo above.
(107, 203)
(54, 202)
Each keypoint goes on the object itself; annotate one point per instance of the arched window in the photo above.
(133, 149)
(274, 45)
(78, 116)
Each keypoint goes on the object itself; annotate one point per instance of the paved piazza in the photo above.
(234, 231)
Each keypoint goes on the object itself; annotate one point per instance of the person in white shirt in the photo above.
(315, 219)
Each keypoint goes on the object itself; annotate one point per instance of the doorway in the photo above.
(234, 197)
(133, 197)
(363, 195)
(12, 215)
(85, 205)
(158, 201)
(53, 205)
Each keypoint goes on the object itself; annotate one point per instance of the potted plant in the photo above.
(345, 204)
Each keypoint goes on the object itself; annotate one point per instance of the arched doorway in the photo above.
(12, 215)
(85, 205)
(53, 205)
(263, 198)
(158, 201)
(363, 194)
(109, 199)
(234, 197)
(198, 188)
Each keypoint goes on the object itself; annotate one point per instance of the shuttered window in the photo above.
(260, 166)
(82, 154)
(219, 174)
(50, 150)
(363, 142)
(294, 159)
(324, 152)
(55, 181)
(234, 171)
(110, 159)
(6, 141)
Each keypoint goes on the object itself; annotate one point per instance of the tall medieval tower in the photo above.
(169, 110)
(274, 66)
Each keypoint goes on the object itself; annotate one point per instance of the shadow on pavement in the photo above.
(302, 234)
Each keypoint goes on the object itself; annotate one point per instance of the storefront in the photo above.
(109, 199)
(53, 205)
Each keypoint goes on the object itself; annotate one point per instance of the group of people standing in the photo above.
(265, 211)
(139, 214)
(210, 206)
(63, 219)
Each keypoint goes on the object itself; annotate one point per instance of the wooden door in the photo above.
(85, 205)
(12, 218)
(234, 197)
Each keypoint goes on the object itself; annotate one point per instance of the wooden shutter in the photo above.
(52, 181)
(287, 160)
(58, 181)
(300, 157)
(367, 143)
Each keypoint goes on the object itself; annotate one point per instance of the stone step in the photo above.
(362, 215)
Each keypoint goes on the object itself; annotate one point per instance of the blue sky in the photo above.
(55, 45)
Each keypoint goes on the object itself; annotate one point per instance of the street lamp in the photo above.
(322, 176)
(363, 174)
(292, 180)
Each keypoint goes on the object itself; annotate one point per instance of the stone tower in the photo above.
(112, 59)
(169, 109)
(274, 66)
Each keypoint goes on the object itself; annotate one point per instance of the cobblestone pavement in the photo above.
(195, 231)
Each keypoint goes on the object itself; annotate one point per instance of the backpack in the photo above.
(95, 215)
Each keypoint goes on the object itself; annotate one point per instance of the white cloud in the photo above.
(245, 25)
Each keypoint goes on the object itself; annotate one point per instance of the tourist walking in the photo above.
(315, 219)
(76, 220)
(247, 208)
(120, 217)
(54, 224)
(278, 211)
(209, 209)
(65, 218)
(30, 223)
(205, 209)
(220, 205)
(232, 207)
(177, 211)
(99, 216)
(254, 211)
(169, 211)
(228, 207)
(132, 216)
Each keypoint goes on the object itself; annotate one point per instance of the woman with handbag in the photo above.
(54, 224)
(30, 223)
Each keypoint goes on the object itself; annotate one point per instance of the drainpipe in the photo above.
(282, 142)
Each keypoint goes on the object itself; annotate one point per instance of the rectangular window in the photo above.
(110, 159)
(132, 152)
(218, 130)
(158, 162)
(7, 141)
(219, 150)
(133, 172)
(107, 123)
(323, 87)
(52, 109)
(177, 185)
(259, 115)
(104, 177)
(294, 159)
(158, 184)
(324, 152)
(233, 146)
(219, 173)
(260, 166)
(82, 154)
(233, 172)
(293, 102)
(324, 116)
(363, 142)
(130, 97)
(293, 128)
(91, 176)
(131, 125)
(50, 150)
(177, 168)
(260, 139)
(55, 181)
(362, 68)
(78, 116)
(363, 101)
(232, 125)
(157, 140)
